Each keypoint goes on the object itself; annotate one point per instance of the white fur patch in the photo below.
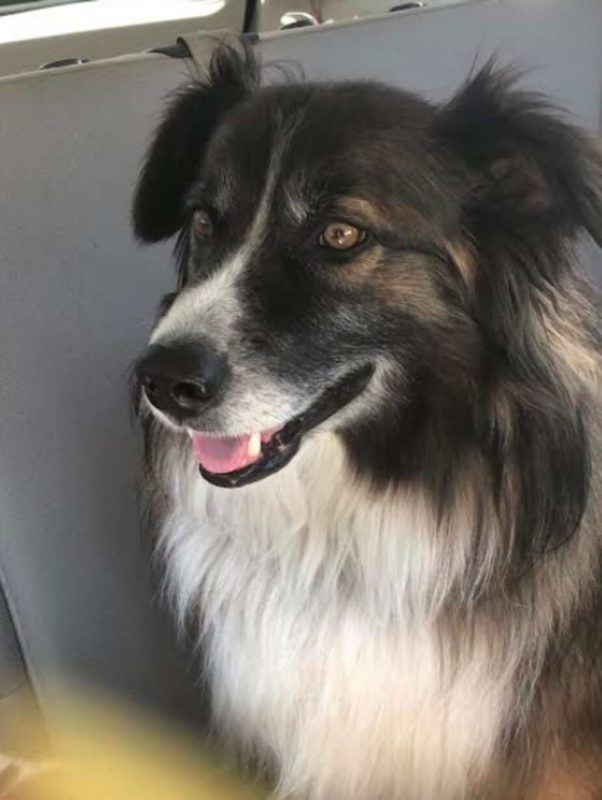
(211, 307)
(319, 604)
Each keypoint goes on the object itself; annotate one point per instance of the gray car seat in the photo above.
(77, 298)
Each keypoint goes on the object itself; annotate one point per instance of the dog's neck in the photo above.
(310, 558)
(308, 584)
(327, 535)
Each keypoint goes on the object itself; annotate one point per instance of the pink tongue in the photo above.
(222, 453)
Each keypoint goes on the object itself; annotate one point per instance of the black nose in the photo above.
(181, 378)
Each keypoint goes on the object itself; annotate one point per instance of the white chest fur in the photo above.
(319, 605)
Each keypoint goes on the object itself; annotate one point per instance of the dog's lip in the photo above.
(281, 444)
(221, 453)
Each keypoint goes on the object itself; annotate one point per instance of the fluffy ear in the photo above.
(176, 153)
(531, 184)
(532, 170)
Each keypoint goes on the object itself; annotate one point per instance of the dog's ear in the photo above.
(532, 171)
(530, 184)
(176, 153)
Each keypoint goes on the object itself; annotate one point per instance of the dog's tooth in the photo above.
(254, 448)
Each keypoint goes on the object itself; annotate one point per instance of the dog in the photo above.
(373, 441)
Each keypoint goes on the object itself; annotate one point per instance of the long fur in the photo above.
(410, 609)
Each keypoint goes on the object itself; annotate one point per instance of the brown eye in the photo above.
(201, 224)
(341, 236)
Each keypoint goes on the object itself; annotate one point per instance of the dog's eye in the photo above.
(201, 224)
(341, 236)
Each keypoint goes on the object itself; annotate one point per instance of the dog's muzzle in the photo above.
(183, 379)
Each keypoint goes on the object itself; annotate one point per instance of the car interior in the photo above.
(79, 598)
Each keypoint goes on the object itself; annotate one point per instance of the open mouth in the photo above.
(232, 461)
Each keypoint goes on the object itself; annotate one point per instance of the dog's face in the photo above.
(315, 261)
(328, 271)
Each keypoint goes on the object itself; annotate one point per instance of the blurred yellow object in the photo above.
(106, 754)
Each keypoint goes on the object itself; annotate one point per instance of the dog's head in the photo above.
(344, 259)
